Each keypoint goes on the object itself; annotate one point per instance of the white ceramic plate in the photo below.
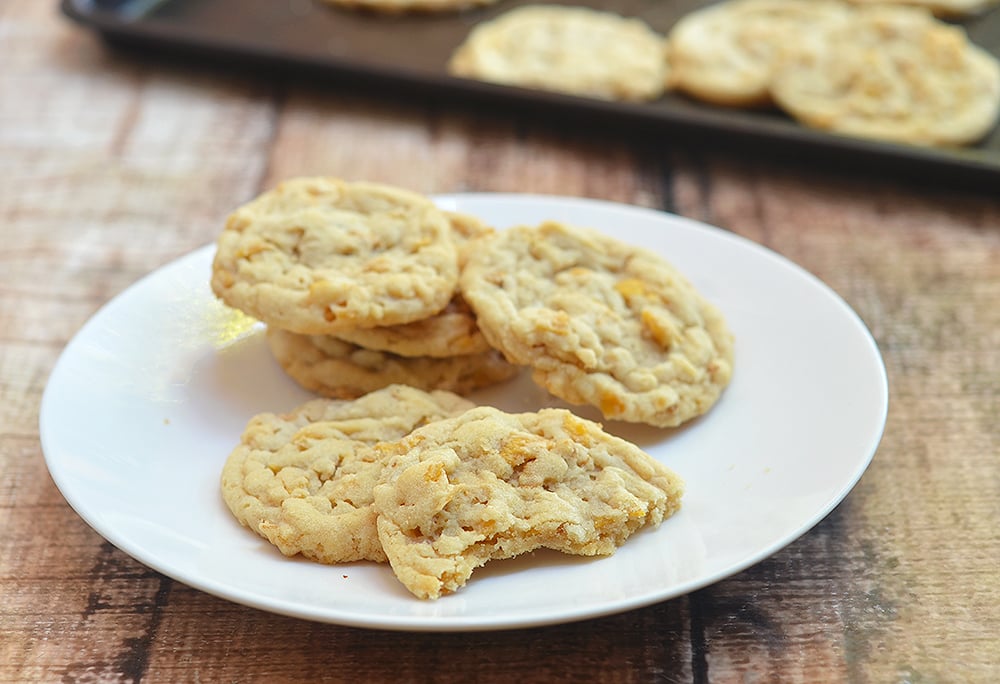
(152, 394)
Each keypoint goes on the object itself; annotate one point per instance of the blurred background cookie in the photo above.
(892, 73)
(725, 53)
(955, 9)
(303, 480)
(566, 49)
(403, 6)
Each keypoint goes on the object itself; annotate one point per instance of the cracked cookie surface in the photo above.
(318, 255)
(600, 322)
(490, 485)
(304, 480)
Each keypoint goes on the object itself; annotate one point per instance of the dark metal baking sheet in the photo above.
(411, 51)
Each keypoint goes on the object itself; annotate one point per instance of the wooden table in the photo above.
(111, 167)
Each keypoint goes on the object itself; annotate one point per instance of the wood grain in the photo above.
(113, 166)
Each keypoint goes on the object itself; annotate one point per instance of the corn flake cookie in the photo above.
(409, 6)
(953, 9)
(600, 322)
(571, 50)
(895, 74)
(490, 485)
(451, 332)
(304, 480)
(725, 53)
(334, 368)
(320, 255)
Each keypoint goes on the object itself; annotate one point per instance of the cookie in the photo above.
(600, 322)
(895, 74)
(335, 368)
(571, 50)
(489, 485)
(452, 332)
(304, 480)
(406, 6)
(464, 229)
(956, 9)
(725, 53)
(320, 255)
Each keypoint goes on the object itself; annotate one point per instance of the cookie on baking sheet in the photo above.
(572, 50)
(319, 255)
(956, 9)
(490, 485)
(404, 6)
(892, 73)
(600, 322)
(304, 480)
(725, 53)
(451, 332)
(335, 368)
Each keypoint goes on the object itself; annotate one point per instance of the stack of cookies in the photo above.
(437, 487)
(357, 283)
(364, 285)
(395, 7)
